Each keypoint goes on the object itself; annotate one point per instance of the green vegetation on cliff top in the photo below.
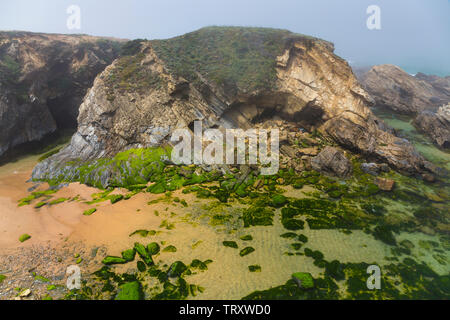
(234, 57)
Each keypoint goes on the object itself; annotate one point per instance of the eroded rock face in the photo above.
(393, 88)
(43, 79)
(333, 162)
(228, 77)
(441, 84)
(436, 125)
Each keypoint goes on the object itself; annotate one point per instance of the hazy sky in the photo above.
(415, 34)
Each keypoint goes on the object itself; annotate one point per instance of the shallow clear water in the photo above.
(403, 125)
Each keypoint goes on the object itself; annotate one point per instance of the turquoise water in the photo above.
(403, 125)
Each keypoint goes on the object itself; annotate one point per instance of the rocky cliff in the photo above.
(436, 125)
(422, 96)
(393, 88)
(227, 77)
(43, 79)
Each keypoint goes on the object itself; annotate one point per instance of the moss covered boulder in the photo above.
(278, 201)
(130, 291)
(176, 269)
(109, 260)
(303, 279)
(129, 254)
(24, 237)
(153, 248)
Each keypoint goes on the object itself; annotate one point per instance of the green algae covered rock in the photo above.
(258, 216)
(130, 291)
(335, 270)
(153, 248)
(40, 204)
(198, 264)
(303, 279)
(170, 248)
(384, 233)
(316, 255)
(278, 201)
(129, 254)
(141, 266)
(157, 188)
(254, 268)
(24, 237)
(143, 253)
(109, 260)
(246, 251)
(292, 224)
(143, 233)
(89, 212)
(289, 235)
(115, 198)
(176, 269)
(230, 244)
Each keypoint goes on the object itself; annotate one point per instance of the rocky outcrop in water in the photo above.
(43, 79)
(436, 125)
(227, 78)
(393, 88)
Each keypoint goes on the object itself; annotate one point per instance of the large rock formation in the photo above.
(43, 79)
(393, 88)
(436, 125)
(441, 84)
(227, 77)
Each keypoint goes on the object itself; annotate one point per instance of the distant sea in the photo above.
(412, 70)
(429, 71)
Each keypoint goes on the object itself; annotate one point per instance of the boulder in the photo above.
(303, 279)
(374, 168)
(393, 88)
(436, 125)
(130, 291)
(370, 168)
(333, 162)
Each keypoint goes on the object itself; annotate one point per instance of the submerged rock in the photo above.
(303, 279)
(176, 269)
(130, 291)
(333, 162)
